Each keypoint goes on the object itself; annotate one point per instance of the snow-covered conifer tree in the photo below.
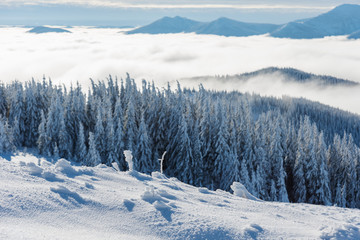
(181, 154)
(53, 124)
(17, 136)
(65, 144)
(17, 109)
(206, 137)
(93, 156)
(81, 151)
(110, 136)
(5, 138)
(225, 161)
(130, 127)
(32, 117)
(99, 135)
(43, 141)
(197, 164)
(277, 164)
(143, 162)
(310, 164)
(323, 191)
(299, 188)
(119, 135)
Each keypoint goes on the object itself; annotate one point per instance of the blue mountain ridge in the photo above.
(342, 20)
(42, 29)
(221, 26)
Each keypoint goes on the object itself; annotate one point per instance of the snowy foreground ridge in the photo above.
(44, 200)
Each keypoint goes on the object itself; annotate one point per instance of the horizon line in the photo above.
(170, 6)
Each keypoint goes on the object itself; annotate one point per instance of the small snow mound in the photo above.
(150, 195)
(64, 166)
(241, 191)
(33, 169)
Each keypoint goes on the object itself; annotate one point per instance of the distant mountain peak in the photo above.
(43, 29)
(220, 19)
(345, 10)
(346, 6)
(168, 25)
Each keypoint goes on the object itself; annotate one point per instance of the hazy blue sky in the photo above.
(139, 12)
(190, 3)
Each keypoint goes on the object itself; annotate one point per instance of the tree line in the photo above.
(288, 150)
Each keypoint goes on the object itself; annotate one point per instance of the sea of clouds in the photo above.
(96, 53)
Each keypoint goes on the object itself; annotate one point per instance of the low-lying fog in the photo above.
(96, 53)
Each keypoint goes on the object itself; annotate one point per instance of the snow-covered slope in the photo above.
(342, 20)
(42, 200)
(42, 29)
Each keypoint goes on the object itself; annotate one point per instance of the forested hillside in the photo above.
(289, 75)
(280, 149)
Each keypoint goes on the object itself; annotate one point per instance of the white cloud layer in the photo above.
(96, 53)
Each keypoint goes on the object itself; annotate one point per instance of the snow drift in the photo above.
(64, 201)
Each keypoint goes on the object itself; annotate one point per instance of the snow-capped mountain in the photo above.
(342, 20)
(40, 199)
(42, 29)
